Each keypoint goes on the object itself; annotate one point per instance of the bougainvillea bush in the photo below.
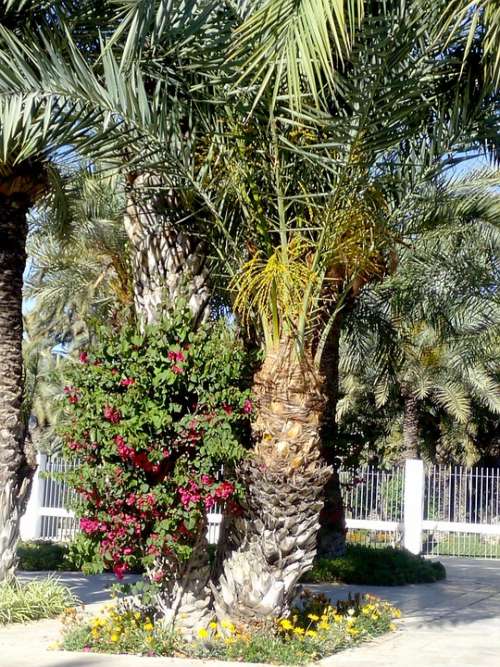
(151, 417)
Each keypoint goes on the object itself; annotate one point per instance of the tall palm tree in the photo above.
(35, 131)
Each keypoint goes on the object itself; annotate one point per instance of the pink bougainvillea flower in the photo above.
(84, 357)
(127, 382)
(247, 406)
(119, 569)
(89, 526)
(207, 480)
(175, 356)
(227, 409)
(209, 502)
(177, 369)
(113, 415)
(224, 491)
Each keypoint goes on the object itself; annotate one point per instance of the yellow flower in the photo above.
(353, 632)
(298, 631)
(392, 627)
(202, 633)
(148, 627)
(323, 625)
(115, 637)
(137, 616)
(313, 617)
(337, 618)
(227, 625)
(285, 624)
(311, 633)
(397, 613)
(213, 625)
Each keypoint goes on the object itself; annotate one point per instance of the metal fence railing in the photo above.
(436, 510)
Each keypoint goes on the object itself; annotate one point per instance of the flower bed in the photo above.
(314, 630)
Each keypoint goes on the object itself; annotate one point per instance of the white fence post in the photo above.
(31, 521)
(413, 505)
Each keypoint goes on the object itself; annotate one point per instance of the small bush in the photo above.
(41, 555)
(314, 630)
(376, 567)
(29, 601)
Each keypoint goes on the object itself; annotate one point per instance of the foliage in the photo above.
(316, 629)
(42, 555)
(150, 419)
(23, 601)
(376, 567)
(439, 344)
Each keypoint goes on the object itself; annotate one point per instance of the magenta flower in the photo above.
(113, 415)
(84, 357)
(247, 406)
(127, 382)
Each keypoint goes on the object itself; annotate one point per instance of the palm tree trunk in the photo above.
(185, 601)
(410, 425)
(332, 534)
(167, 263)
(284, 479)
(16, 471)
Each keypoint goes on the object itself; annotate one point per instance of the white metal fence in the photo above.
(435, 510)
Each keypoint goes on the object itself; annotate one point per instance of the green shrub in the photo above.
(376, 567)
(41, 555)
(150, 419)
(29, 601)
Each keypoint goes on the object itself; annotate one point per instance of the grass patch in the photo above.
(313, 631)
(376, 567)
(473, 546)
(21, 602)
(38, 555)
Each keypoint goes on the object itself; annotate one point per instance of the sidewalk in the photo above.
(454, 622)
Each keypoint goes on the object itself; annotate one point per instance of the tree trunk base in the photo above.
(186, 602)
(12, 507)
(279, 544)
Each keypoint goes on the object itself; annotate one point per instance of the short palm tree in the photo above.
(326, 198)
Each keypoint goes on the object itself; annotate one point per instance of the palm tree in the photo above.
(79, 267)
(35, 131)
(326, 198)
(433, 346)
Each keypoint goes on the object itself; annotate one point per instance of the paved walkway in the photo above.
(454, 622)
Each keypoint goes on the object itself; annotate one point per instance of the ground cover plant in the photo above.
(376, 567)
(23, 601)
(314, 630)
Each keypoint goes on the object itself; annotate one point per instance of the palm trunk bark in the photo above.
(167, 263)
(284, 479)
(410, 425)
(16, 470)
(332, 534)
